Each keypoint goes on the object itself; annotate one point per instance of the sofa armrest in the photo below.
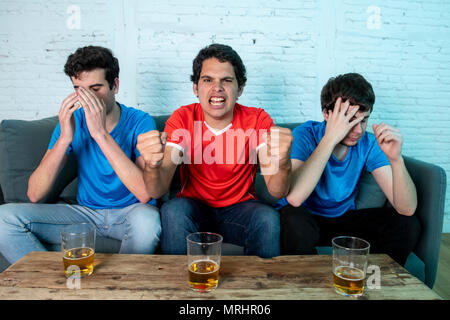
(430, 181)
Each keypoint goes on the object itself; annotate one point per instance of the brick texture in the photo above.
(290, 49)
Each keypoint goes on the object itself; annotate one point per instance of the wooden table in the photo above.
(39, 275)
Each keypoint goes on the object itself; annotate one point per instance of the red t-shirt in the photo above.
(218, 167)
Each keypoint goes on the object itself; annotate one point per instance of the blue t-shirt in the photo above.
(336, 191)
(99, 187)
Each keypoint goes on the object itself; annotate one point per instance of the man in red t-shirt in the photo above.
(219, 144)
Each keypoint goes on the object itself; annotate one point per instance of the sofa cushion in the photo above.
(23, 144)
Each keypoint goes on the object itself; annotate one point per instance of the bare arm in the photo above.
(157, 180)
(277, 179)
(394, 180)
(42, 179)
(306, 175)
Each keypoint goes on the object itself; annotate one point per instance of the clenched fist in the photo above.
(151, 145)
(279, 142)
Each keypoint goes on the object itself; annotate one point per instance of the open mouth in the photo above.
(217, 101)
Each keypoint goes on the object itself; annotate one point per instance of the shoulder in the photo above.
(188, 109)
(185, 112)
(254, 117)
(136, 117)
(245, 111)
(309, 127)
(131, 112)
(183, 117)
(308, 134)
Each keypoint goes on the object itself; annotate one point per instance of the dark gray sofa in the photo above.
(23, 143)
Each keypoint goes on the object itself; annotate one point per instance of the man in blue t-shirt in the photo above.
(102, 134)
(328, 159)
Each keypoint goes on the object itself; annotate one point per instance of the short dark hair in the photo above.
(90, 58)
(350, 86)
(223, 53)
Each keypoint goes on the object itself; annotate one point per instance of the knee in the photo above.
(267, 220)
(408, 222)
(10, 213)
(146, 220)
(176, 211)
(299, 232)
(409, 226)
(294, 219)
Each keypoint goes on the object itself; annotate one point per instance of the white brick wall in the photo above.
(34, 45)
(280, 57)
(290, 49)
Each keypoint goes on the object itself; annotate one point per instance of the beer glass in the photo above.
(349, 265)
(203, 253)
(77, 244)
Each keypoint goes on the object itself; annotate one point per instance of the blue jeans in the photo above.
(26, 227)
(251, 224)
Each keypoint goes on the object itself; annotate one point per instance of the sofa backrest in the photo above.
(23, 144)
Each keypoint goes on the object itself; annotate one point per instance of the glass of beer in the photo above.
(77, 244)
(204, 250)
(349, 265)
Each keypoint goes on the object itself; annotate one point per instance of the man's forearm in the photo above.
(278, 184)
(156, 182)
(404, 190)
(306, 177)
(42, 179)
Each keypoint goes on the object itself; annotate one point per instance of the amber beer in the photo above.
(203, 275)
(82, 259)
(349, 280)
(77, 244)
(350, 256)
(203, 253)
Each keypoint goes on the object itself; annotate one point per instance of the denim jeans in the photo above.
(25, 227)
(251, 224)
